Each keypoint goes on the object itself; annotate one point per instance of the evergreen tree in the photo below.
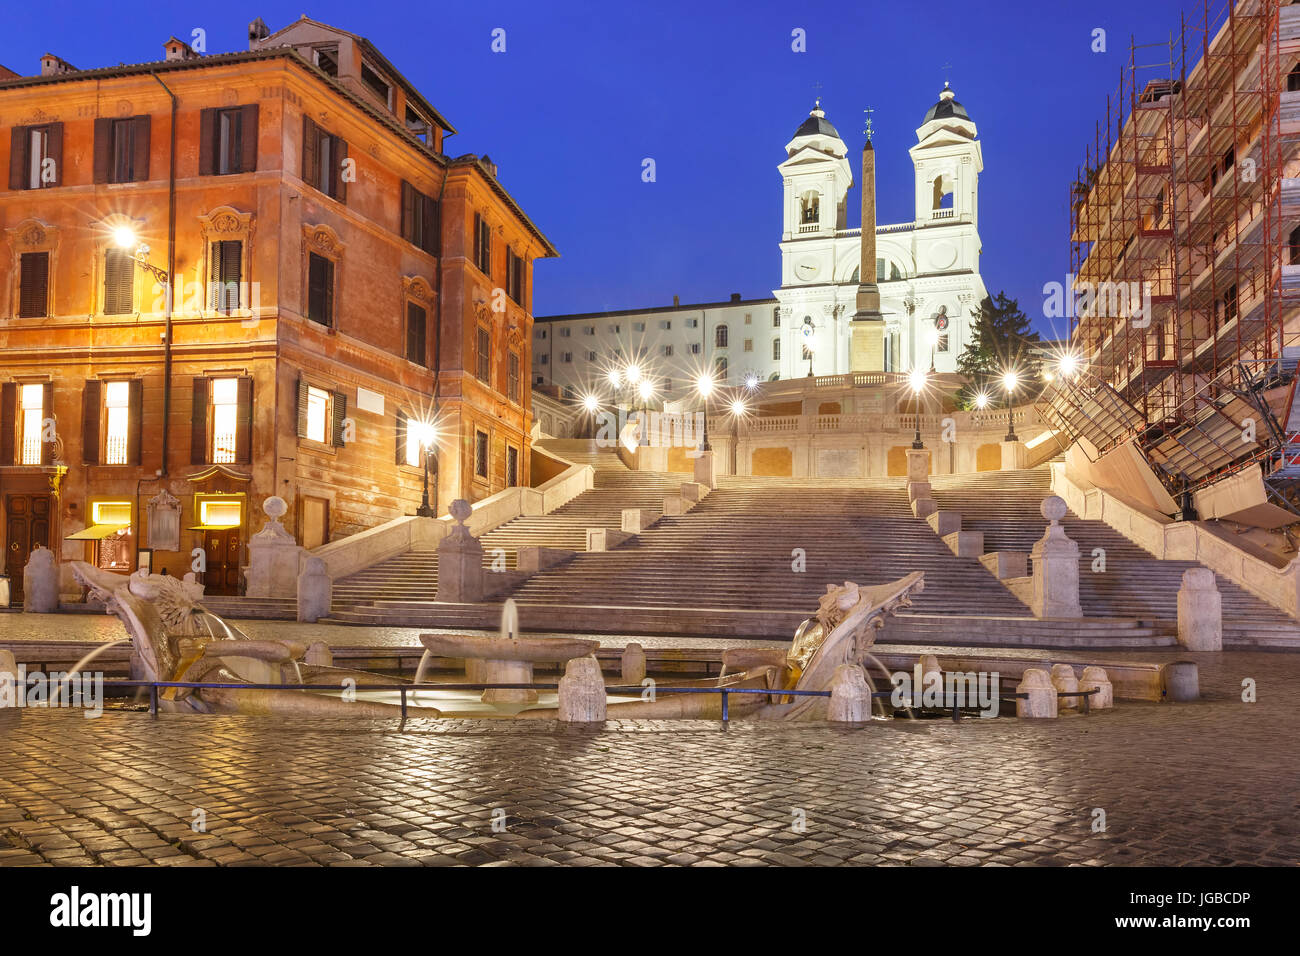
(1002, 340)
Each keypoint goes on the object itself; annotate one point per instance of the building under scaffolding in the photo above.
(1185, 254)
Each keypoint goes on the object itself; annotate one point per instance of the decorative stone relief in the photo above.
(164, 531)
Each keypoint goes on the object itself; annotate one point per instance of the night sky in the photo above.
(712, 92)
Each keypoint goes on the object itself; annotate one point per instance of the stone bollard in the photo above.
(582, 692)
(41, 582)
(633, 669)
(1056, 566)
(319, 655)
(1041, 701)
(850, 695)
(930, 665)
(274, 556)
(1182, 680)
(1096, 677)
(1200, 611)
(315, 591)
(1065, 682)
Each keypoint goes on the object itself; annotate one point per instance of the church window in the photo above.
(720, 337)
(810, 207)
(776, 317)
(776, 350)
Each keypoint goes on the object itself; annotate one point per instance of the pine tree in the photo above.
(1002, 340)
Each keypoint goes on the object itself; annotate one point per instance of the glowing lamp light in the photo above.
(646, 389)
(705, 385)
(982, 400)
(124, 237)
(916, 379)
(738, 408)
(615, 378)
(633, 374)
(1010, 380)
(1048, 376)
(424, 433)
(751, 381)
(590, 403)
(1068, 364)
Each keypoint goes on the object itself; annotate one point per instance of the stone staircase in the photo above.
(413, 577)
(1135, 584)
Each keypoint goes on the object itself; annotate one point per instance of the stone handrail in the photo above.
(1026, 416)
(412, 533)
(1182, 541)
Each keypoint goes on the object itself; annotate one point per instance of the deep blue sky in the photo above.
(711, 91)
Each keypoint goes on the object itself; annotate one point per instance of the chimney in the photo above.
(489, 166)
(735, 297)
(52, 65)
(257, 32)
(175, 49)
(676, 302)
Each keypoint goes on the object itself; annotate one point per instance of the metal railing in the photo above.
(952, 705)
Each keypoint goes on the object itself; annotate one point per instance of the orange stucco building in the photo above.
(339, 284)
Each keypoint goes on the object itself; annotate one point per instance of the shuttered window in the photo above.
(420, 219)
(122, 150)
(228, 140)
(36, 156)
(320, 289)
(482, 245)
(225, 274)
(515, 276)
(416, 322)
(512, 466)
(33, 285)
(119, 282)
(484, 356)
(323, 158)
(512, 376)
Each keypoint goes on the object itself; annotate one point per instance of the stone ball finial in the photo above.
(275, 507)
(1053, 508)
(460, 509)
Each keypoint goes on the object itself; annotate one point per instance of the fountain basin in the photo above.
(508, 660)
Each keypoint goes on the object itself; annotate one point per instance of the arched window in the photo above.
(810, 207)
(720, 337)
(942, 192)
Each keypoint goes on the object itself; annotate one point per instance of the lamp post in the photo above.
(917, 381)
(425, 437)
(808, 330)
(704, 384)
(1009, 382)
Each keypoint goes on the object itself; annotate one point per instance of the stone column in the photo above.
(706, 470)
(315, 590)
(1056, 566)
(582, 692)
(850, 695)
(1041, 701)
(1200, 611)
(460, 560)
(273, 556)
(41, 582)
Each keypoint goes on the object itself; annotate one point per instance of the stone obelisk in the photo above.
(867, 345)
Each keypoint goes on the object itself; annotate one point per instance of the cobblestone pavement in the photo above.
(1212, 782)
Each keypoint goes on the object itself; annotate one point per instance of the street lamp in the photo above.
(917, 380)
(808, 330)
(1009, 382)
(704, 384)
(646, 390)
(427, 438)
(982, 401)
(125, 238)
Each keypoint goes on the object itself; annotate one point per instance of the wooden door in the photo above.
(315, 522)
(27, 524)
(224, 551)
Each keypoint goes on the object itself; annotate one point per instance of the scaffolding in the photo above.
(1185, 252)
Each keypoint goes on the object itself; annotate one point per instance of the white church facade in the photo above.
(927, 275)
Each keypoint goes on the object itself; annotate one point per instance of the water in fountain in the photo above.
(510, 619)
